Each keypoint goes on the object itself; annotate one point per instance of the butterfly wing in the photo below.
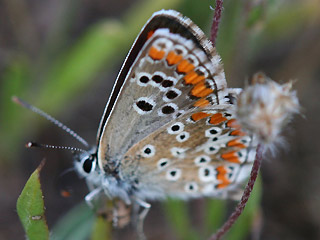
(171, 70)
(202, 153)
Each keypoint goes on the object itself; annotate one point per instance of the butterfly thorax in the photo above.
(107, 180)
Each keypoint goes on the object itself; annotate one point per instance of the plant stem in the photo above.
(244, 199)
(216, 21)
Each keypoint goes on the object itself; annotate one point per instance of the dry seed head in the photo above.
(265, 107)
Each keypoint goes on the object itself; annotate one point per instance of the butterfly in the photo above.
(169, 127)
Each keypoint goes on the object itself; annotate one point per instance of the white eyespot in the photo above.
(191, 187)
(228, 115)
(242, 155)
(213, 132)
(167, 83)
(173, 174)
(182, 137)
(148, 151)
(201, 71)
(176, 128)
(171, 94)
(202, 160)
(167, 109)
(163, 163)
(215, 140)
(178, 152)
(143, 79)
(162, 44)
(144, 105)
(179, 113)
(193, 60)
(212, 149)
(210, 83)
(231, 172)
(180, 50)
(157, 79)
(245, 140)
(207, 174)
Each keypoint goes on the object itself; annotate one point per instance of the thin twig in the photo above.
(216, 21)
(246, 194)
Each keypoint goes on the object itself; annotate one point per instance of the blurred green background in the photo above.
(63, 56)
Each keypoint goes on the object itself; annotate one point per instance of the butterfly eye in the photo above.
(88, 165)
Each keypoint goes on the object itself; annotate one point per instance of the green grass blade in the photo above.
(30, 208)
(243, 225)
(75, 69)
(13, 82)
(76, 224)
(215, 212)
(179, 219)
(101, 229)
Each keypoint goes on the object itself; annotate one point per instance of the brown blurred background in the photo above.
(63, 56)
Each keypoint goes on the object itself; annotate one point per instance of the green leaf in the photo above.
(30, 207)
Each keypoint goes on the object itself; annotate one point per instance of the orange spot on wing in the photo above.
(238, 132)
(231, 157)
(156, 54)
(223, 184)
(198, 116)
(221, 170)
(193, 78)
(236, 143)
(217, 118)
(201, 103)
(185, 66)
(149, 34)
(200, 90)
(221, 176)
(232, 123)
(173, 58)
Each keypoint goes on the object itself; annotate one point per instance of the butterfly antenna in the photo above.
(39, 145)
(49, 118)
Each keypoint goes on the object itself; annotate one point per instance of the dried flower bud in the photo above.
(265, 107)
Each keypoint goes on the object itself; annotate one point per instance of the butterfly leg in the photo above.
(91, 196)
(141, 216)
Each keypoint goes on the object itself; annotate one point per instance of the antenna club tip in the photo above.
(19, 101)
(30, 145)
(15, 99)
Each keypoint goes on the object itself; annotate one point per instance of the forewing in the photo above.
(175, 70)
